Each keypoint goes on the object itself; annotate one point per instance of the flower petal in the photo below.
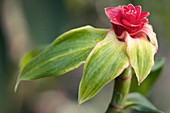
(141, 55)
(131, 7)
(138, 11)
(126, 23)
(112, 12)
(130, 18)
(144, 14)
(106, 61)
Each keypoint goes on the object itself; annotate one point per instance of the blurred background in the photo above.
(26, 24)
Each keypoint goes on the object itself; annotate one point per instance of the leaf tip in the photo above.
(140, 80)
(16, 86)
(139, 83)
(80, 101)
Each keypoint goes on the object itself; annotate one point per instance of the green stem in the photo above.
(121, 90)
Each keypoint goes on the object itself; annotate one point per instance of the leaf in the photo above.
(30, 55)
(141, 54)
(66, 53)
(150, 80)
(106, 61)
(139, 103)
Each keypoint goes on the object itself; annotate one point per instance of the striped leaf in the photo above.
(141, 54)
(106, 61)
(66, 53)
(30, 55)
(147, 84)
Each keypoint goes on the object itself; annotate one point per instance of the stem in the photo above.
(121, 90)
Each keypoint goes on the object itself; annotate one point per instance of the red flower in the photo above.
(132, 28)
(130, 19)
(127, 18)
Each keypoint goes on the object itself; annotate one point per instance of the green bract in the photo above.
(105, 58)
(141, 55)
(146, 85)
(107, 61)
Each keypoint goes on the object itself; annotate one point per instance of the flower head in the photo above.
(132, 20)
(131, 26)
(127, 18)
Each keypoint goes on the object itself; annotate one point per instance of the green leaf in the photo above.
(141, 54)
(140, 104)
(66, 53)
(106, 61)
(145, 86)
(30, 55)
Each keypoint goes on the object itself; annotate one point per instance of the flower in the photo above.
(130, 19)
(131, 26)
